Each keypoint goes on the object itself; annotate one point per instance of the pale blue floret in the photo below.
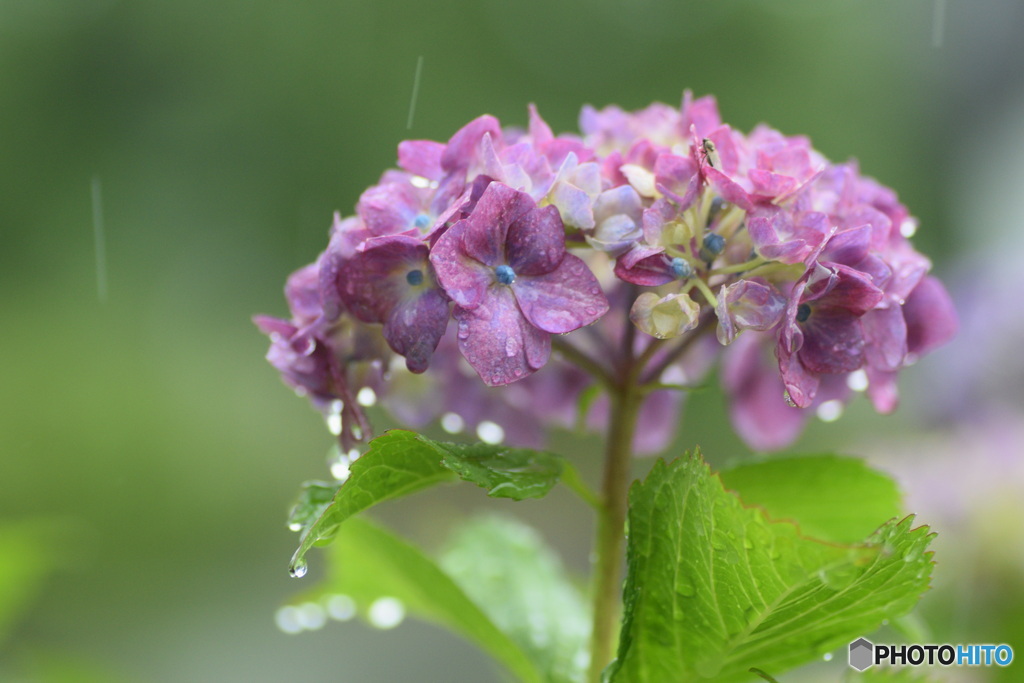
(414, 277)
(505, 274)
(680, 268)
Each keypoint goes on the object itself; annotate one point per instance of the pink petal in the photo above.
(498, 342)
(566, 299)
(464, 279)
(536, 242)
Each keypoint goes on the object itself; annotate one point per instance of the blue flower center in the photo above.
(803, 312)
(421, 221)
(714, 243)
(505, 274)
(414, 277)
(680, 268)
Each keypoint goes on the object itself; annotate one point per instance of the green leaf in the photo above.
(400, 462)
(831, 497)
(370, 563)
(714, 588)
(516, 473)
(513, 575)
(397, 464)
(26, 562)
(314, 498)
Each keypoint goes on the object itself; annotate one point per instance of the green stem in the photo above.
(611, 519)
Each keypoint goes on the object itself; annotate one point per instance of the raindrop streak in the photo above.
(415, 92)
(939, 23)
(99, 241)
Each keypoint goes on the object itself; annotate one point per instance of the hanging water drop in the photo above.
(298, 568)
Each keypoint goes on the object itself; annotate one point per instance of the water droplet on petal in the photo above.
(789, 399)
(298, 569)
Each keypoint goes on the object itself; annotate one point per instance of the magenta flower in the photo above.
(390, 281)
(821, 331)
(513, 283)
(328, 361)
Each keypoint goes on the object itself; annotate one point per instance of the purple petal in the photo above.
(645, 266)
(931, 318)
(800, 384)
(460, 152)
(748, 304)
(487, 226)
(886, 333)
(778, 235)
(464, 279)
(882, 390)
(422, 157)
(540, 132)
(373, 281)
(758, 411)
(677, 178)
(415, 326)
(566, 299)
(701, 114)
(498, 342)
(852, 291)
(769, 184)
(833, 342)
(848, 247)
(536, 242)
(302, 291)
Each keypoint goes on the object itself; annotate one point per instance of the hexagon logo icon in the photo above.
(861, 654)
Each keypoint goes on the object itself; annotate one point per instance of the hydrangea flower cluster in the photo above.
(649, 230)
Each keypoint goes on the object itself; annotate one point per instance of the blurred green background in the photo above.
(148, 454)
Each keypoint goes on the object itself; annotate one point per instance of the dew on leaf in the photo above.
(684, 587)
